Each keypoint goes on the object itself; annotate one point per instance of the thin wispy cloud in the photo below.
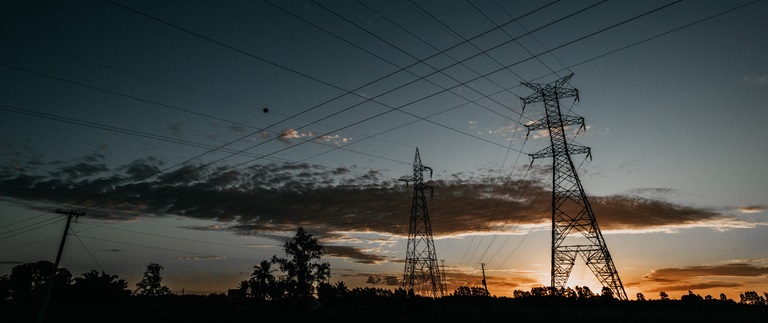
(757, 80)
(287, 134)
(198, 258)
(752, 208)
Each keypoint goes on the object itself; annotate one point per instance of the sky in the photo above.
(200, 135)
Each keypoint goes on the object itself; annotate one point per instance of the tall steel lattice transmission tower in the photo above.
(571, 212)
(422, 272)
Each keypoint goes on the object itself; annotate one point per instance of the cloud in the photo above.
(757, 80)
(198, 258)
(335, 140)
(80, 170)
(703, 277)
(140, 169)
(626, 212)
(354, 254)
(510, 132)
(175, 129)
(213, 227)
(10, 262)
(237, 129)
(287, 134)
(387, 280)
(736, 269)
(273, 199)
(752, 208)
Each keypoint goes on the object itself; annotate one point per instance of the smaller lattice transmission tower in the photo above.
(574, 228)
(422, 272)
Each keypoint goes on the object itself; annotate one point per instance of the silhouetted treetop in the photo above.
(151, 284)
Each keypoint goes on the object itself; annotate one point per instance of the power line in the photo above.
(349, 92)
(418, 100)
(464, 40)
(94, 226)
(197, 168)
(509, 209)
(30, 227)
(510, 36)
(86, 250)
(147, 135)
(658, 35)
(168, 249)
(22, 221)
(412, 56)
(218, 97)
(526, 30)
(209, 39)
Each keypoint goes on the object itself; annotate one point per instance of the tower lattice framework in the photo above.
(422, 272)
(571, 212)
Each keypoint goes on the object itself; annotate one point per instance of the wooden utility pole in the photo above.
(49, 286)
(484, 284)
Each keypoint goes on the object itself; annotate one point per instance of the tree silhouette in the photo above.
(470, 291)
(663, 296)
(262, 284)
(303, 272)
(606, 294)
(150, 285)
(332, 293)
(640, 297)
(691, 297)
(26, 282)
(584, 292)
(752, 298)
(5, 290)
(462, 291)
(95, 286)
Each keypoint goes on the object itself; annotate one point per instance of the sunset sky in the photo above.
(201, 134)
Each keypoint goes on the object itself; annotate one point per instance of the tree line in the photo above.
(300, 276)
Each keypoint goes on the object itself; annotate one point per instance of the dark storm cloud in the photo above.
(354, 254)
(276, 198)
(80, 170)
(140, 169)
(630, 212)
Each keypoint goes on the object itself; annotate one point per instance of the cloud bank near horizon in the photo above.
(694, 278)
(276, 198)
